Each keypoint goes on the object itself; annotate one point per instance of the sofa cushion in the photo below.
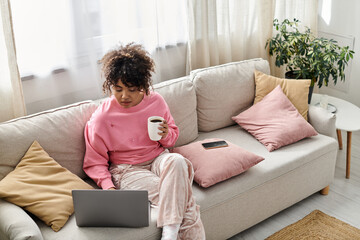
(41, 186)
(276, 164)
(322, 120)
(211, 200)
(72, 232)
(180, 96)
(274, 121)
(60, 131)
(215, 165)
(296, 90)
(15, 223)
(224, 91)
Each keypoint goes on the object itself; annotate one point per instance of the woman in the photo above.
(119, 153)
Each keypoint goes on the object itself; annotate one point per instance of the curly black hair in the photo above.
(131, 64)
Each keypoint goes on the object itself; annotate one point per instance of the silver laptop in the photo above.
(111, 208)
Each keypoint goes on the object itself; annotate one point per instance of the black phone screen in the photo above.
(216, 144)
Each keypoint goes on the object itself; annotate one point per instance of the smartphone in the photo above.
(216, 144)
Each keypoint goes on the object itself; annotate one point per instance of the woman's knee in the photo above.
(177, 161)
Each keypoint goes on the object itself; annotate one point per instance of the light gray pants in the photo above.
(168, 179)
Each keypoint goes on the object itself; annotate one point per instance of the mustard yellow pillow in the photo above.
(41, 186)
(296, 90)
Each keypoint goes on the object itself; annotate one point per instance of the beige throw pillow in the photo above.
(41, 186)
(296, 90)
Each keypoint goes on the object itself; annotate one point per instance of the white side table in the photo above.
(347, 119)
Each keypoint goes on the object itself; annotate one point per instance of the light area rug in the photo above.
(317, 225)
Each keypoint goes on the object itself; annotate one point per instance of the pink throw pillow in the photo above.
(274, 121)
(215, 165)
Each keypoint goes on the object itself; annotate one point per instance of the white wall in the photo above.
(342, 17)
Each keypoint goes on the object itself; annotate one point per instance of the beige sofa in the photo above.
(202, 105)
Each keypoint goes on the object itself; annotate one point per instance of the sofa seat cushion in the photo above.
(275, 164)
(224, 91)
(73, 232)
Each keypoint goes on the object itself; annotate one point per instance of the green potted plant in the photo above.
(307, 56)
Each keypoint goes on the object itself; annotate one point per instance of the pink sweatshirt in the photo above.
(119, 135)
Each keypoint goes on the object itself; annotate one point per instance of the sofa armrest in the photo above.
(322, 120)
(16, 224)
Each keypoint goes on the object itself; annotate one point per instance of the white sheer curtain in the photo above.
(60, 42)
(160, 25)
(225, 31)
(11, 96)
(233, 30)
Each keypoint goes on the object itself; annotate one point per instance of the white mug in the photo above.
(153, 127)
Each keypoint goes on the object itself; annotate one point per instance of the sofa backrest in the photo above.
(224, 91)
(180, 96)
(59, 131)
(206, 100)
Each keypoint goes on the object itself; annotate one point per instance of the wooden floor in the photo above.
(343, 201)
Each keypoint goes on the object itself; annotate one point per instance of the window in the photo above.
(60, 42)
